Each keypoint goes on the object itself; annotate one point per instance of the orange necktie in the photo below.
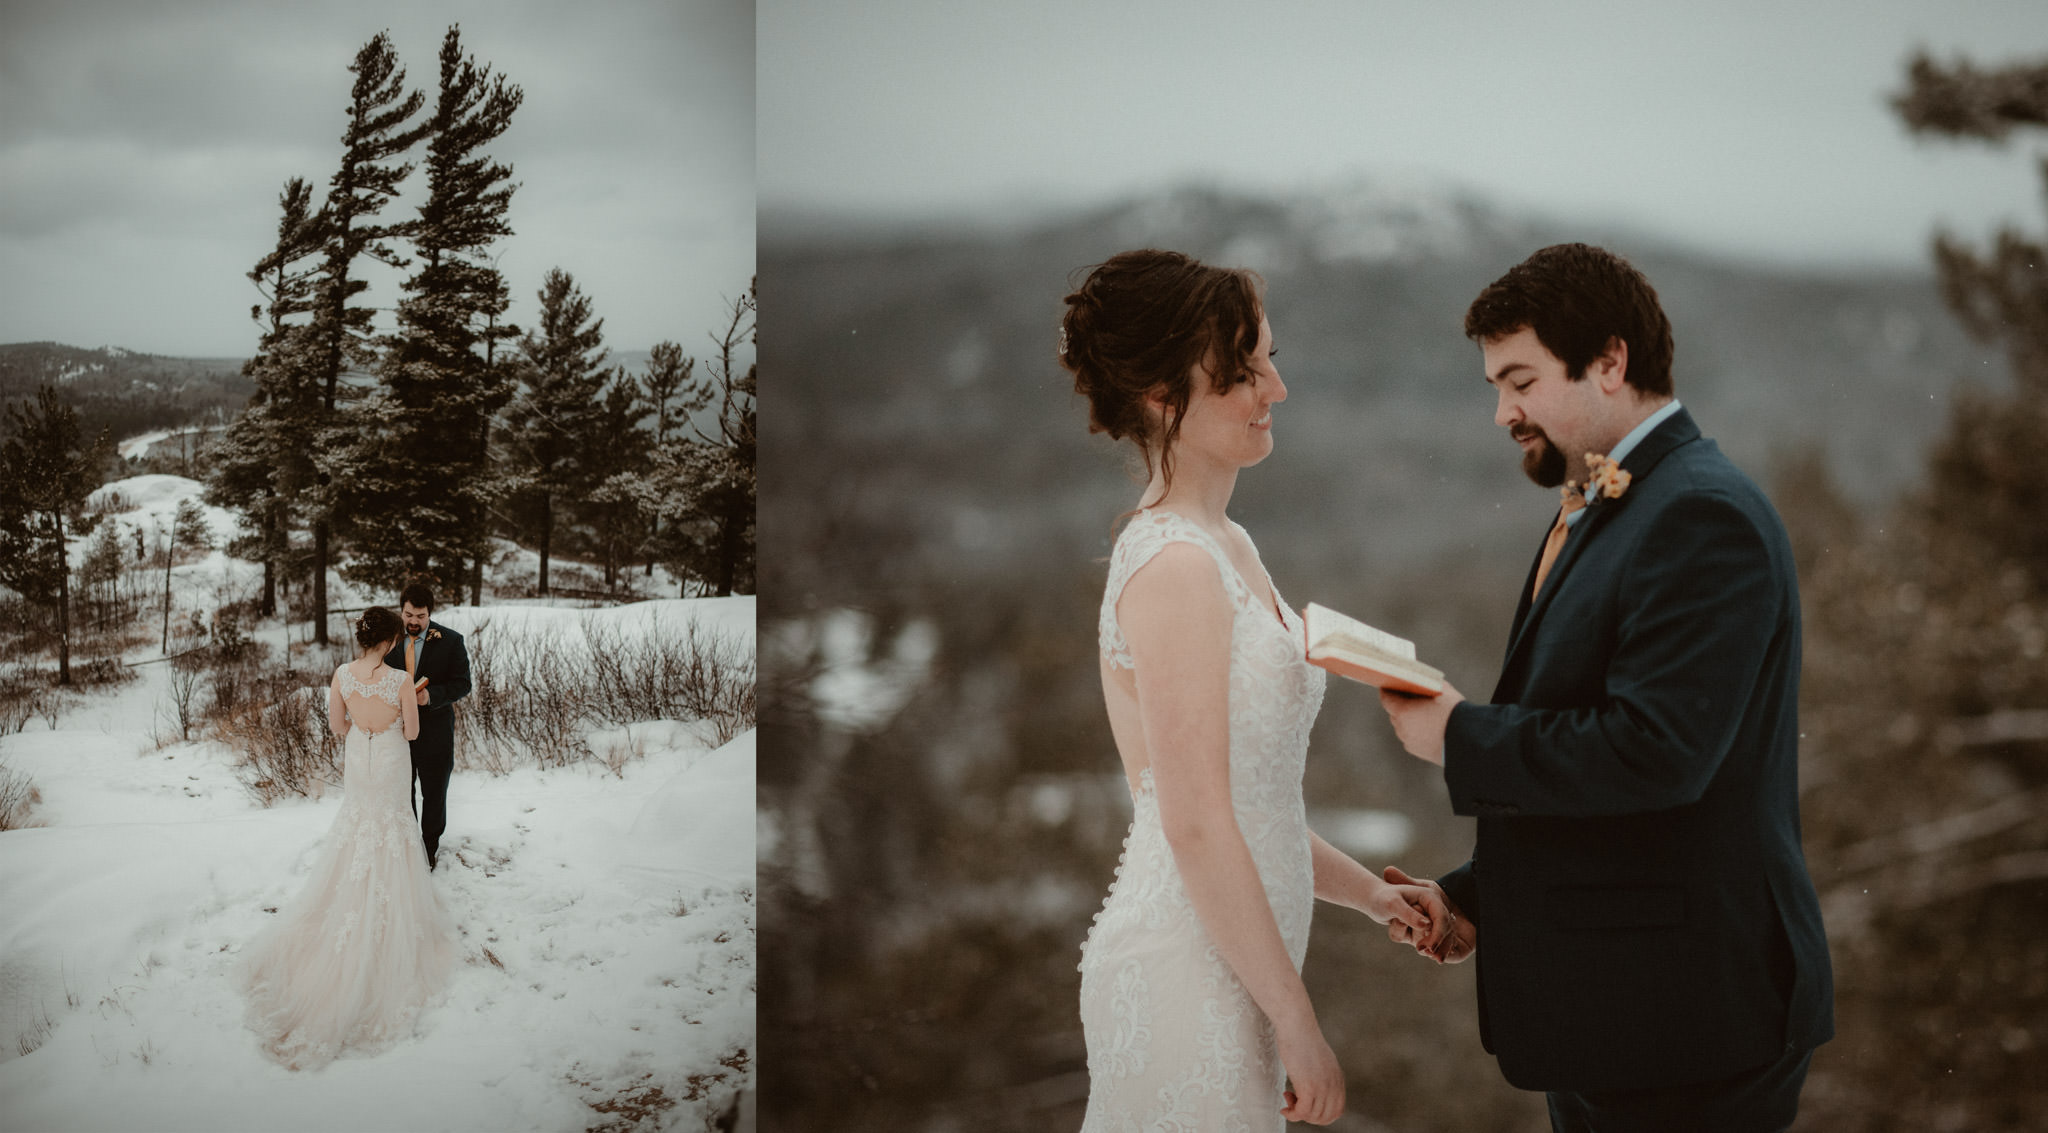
(1573, 501)
(408, 641)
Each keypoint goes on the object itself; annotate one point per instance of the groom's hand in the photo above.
(1419, 721)
(1457, 937)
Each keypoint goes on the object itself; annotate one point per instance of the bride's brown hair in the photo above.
(377, 625)
(1143, 321)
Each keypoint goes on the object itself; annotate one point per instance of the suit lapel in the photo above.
(1678, 430)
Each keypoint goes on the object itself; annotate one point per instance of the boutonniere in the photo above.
(435, 633)
(1609, 479)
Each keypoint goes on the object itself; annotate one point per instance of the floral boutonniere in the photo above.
(1609, 480)
(434, 634)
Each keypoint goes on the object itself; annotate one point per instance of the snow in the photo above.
(607, 921)
(150, 502)
(135, 448)
(730, 617)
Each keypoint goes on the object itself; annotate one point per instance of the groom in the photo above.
(431, 650)
(1653, 954)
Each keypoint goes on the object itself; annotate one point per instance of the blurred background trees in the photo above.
(1926, 705)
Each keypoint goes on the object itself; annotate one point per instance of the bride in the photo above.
(356, 955)
(1192, 1003)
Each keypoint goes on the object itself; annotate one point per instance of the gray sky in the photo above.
(143, 145)
(1755, 129)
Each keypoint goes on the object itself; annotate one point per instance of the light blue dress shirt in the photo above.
(1628, 445)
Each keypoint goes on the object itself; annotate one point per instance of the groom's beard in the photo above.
(1545, 463)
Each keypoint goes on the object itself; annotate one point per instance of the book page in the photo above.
(1324, 624)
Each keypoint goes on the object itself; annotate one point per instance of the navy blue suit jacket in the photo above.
(1644, 910)
(444, 661)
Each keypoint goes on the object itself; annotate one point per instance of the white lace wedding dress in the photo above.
(352, 959)
(1174, 1040)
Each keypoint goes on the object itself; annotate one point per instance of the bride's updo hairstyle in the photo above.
(376, 626)
(1142, 322)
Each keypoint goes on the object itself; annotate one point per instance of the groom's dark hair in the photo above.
(419, 595)
(1576, 298)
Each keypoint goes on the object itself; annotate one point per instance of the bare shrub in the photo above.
(188, 671)
(534, 694)
(279, 725)
(616, 756)
(555, 701)
(21, 689)
(694, 673)
(40, 1025)
(235, 664)
(28, 692)
(17, 795)
(51, 703)
(102, 671)
(526, 701)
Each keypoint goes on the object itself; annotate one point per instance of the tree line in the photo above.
(401, 456)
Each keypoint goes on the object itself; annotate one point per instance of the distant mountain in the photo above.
(125, 391)
(133, 394)
(918, 425)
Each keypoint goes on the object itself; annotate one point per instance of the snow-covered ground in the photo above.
(607, 921)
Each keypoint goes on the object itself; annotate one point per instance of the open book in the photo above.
(1350, 648)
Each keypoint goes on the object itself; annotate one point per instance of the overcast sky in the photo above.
(143, 146)
(1756, 129)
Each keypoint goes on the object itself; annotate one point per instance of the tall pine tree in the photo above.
(668, 372)
(556, 411)
(264, 461)
(616, 451)
(46, 472)
(421, 484)
(371, 171)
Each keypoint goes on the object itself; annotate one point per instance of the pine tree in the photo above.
(1991, 469)
(714, 471)
(46, 472)
(369, 176)
(422, 485)
(99, 575)
(549, 421)
(264, 460)
(668, 372)
(616, 450)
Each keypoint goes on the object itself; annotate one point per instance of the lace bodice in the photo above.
(384, 688)
(1174, 1041)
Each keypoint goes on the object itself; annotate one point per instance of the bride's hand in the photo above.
(1416, 911)
(1317, 1093)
